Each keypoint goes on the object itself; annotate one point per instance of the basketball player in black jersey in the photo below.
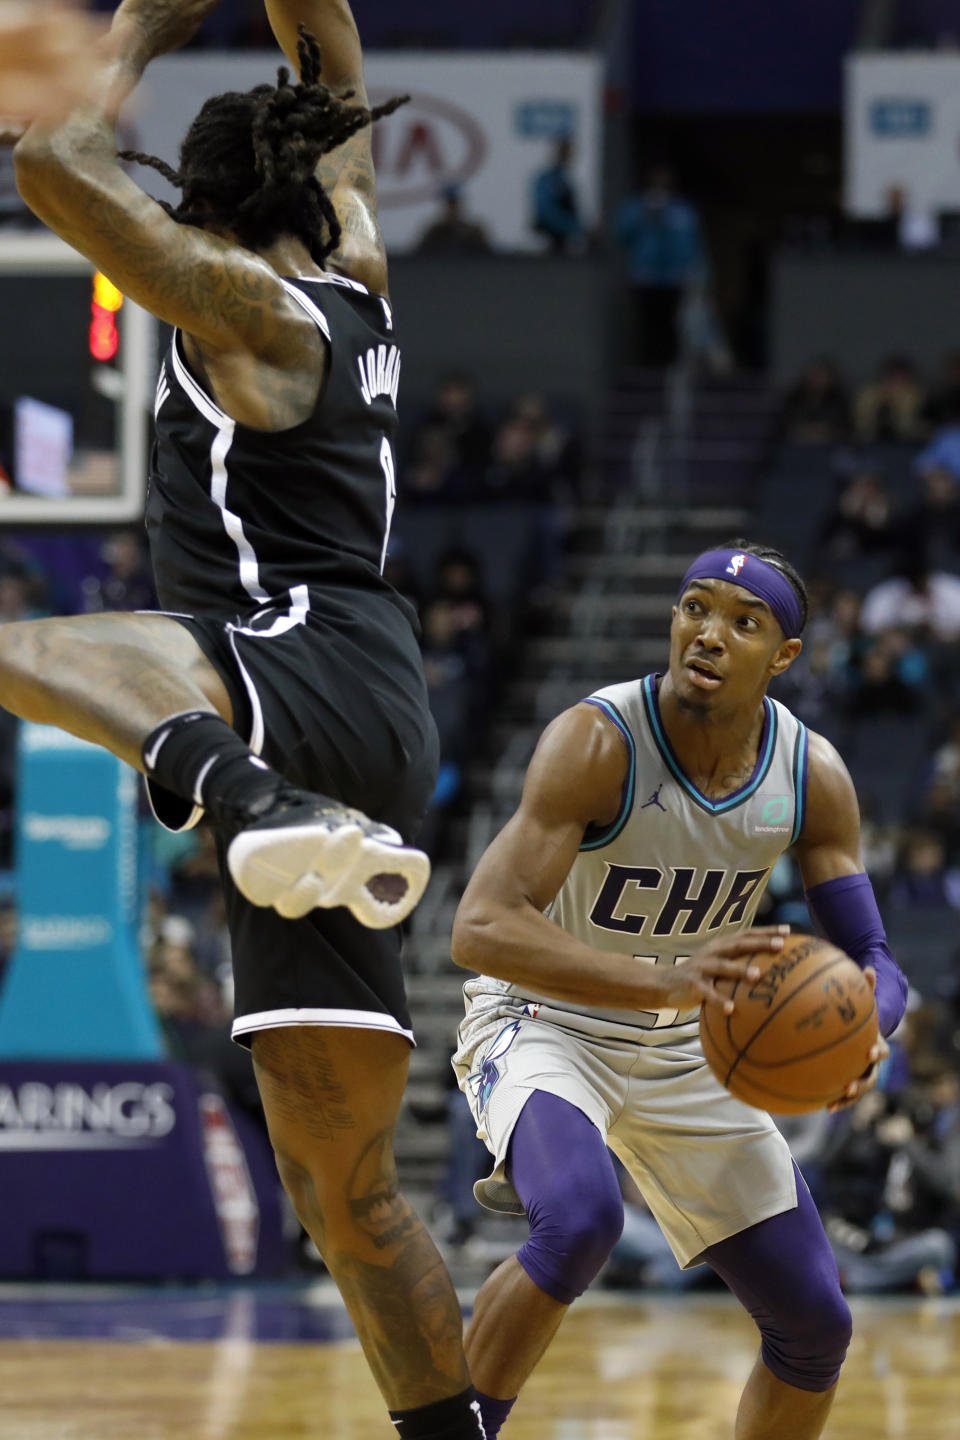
(284, 683)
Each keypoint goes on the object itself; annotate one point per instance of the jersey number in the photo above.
(660, 1019)
(390, 485)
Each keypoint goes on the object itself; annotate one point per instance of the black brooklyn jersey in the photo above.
(240, 518)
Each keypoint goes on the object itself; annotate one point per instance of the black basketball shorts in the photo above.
(335, 700)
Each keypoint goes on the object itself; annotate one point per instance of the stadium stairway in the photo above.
(678, 467)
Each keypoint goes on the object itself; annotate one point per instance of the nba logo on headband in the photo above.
(761, 578)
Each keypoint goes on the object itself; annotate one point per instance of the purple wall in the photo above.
(742, 55)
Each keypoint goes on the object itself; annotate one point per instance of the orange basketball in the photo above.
(799, 1034)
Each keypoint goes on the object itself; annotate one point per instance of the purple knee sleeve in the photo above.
(783, 1272)
(563, 1173)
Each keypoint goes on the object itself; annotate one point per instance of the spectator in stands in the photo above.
(882, 1239)
(454, 672)
(918, 597)
(891, 676)
(555, 207)
(939, 812)
(430, 474)
(890, 408)
(453, 232)
(452, 443)
(818, 684)
(932, 526)
(557, 445)
(879, 847)
(816, 409)
(518, 469)
(449, 679)
(862, 521)
(534, 457)
(661, 235)
(923, 876)
(458, 580)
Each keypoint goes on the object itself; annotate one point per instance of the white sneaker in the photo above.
(310, 851)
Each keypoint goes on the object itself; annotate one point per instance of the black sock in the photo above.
(199, 757)
(455, 1419)
(494, 1413)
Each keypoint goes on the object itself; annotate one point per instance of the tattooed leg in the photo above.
(331, 1098)
(109, 679)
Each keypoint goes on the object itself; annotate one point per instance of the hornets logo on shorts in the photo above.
(484, 1079)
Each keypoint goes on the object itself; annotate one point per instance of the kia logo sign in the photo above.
(426, 146)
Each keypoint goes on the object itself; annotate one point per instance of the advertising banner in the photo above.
(76, 983)
(485, 124)
(126, 1170)
(902, 133)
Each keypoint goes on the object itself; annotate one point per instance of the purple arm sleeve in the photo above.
(845, 912)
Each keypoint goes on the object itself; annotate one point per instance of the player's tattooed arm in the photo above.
(347, 174)
(68, 173)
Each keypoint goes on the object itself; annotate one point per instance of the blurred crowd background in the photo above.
(547, 511)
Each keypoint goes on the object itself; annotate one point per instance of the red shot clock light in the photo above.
(104, 336)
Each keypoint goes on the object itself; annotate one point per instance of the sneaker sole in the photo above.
(295, 869)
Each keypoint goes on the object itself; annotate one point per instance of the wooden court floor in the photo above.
(645, 1368)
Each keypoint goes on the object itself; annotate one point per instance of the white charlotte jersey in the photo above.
(674, 869)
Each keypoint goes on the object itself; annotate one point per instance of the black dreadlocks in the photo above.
(248, 160)
(779, 562)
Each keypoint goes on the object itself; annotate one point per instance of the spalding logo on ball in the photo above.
(799, 1034)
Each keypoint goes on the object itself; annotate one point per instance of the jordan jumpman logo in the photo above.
(655, 800)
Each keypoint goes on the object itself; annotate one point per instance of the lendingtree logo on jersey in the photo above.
(70, 1116)
(772, 815)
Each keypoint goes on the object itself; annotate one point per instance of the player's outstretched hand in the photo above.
(694, 981)
(44, 58)
(878, 1053)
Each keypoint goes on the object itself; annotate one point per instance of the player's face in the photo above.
(726, 645)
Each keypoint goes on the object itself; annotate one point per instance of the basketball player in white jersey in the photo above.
(599, 920)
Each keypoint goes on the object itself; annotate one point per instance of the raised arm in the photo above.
(69, 175)
(576, 777)
(347, 174)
